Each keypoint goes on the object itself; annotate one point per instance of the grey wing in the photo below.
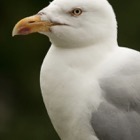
(118, 117)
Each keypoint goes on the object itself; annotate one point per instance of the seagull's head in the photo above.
(78, 22)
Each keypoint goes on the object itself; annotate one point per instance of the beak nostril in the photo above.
(31, 21)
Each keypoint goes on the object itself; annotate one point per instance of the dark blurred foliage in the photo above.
(22, 113)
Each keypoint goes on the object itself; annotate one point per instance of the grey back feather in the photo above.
(118, 117)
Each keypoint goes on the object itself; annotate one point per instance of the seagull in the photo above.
(90, 85)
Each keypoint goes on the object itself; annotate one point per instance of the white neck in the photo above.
(83, 58)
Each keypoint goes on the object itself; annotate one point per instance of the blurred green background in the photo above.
(22, 113)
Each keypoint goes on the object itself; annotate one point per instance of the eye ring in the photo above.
(76, 12)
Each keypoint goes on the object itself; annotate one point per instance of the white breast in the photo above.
(70, 97)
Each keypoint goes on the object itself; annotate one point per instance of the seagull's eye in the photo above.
(76, 12)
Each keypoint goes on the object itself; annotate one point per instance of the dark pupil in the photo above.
(77, 11)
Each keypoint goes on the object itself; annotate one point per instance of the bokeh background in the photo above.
(22, 113)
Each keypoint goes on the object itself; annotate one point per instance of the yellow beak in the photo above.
(30, 25)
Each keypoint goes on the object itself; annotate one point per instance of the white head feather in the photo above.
(96, 24)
